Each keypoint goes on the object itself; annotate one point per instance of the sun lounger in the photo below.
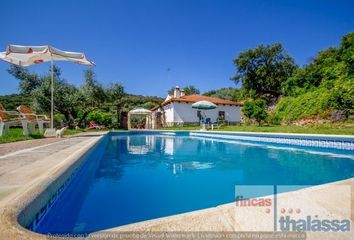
(93, 125)
(30, 119)
(8, 119)
(6, 122)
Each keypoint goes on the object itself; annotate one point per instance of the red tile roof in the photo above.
(195, 98)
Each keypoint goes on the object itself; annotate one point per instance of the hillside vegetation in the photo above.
(11, 102)
(325, 84)
(317, 91)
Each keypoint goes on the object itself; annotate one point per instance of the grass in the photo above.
(72, 131)
(16, 134)
(340, 128)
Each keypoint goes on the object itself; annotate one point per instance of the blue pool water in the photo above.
(139, 176)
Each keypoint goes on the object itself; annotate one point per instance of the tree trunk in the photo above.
(82, 120)
(67, 119)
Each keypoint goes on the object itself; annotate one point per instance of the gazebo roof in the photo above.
(140, 111)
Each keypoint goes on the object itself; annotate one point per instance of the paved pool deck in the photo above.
(27, 172)
(6, 148)
(33, 158)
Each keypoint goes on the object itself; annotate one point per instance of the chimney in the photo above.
(177, 92)
(183, 93)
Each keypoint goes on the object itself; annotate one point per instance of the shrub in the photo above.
(59, 120)
(255, 109)
(274, 119)
(101, 118)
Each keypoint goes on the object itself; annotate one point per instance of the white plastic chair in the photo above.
(8, 119)
(30, 119)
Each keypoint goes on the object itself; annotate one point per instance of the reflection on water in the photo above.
(139, 145)
(169, 147)
(253, 161)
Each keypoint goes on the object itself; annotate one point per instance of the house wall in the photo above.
(169, 113)
(176, 113)
(183, 112)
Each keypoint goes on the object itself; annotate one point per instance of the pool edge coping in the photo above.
(14, 205)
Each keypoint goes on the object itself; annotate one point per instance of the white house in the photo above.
(177, 109)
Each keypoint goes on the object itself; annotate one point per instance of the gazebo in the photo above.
(141, 111)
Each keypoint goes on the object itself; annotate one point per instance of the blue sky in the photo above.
(135, 41)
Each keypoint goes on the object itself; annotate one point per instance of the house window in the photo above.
(221, 115)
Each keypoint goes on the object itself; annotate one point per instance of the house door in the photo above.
(158, 120)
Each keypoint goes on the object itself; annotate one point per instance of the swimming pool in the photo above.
(137, 176)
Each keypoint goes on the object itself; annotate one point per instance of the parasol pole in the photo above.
(52, 94)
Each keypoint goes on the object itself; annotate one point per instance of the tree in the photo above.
(264, 69)
(322, 68)
(28, 81)
(14, 100)
(131, 101)
(39, 89)
(327, 67)
(247, 109)
(115, 93)
(188, 90)
(92, 96)
(255, 109)
(229, 93)
(66, 97)
(346, 51)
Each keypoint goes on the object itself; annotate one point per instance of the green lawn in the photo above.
(16, 134)
(342, 128)
(72, 131)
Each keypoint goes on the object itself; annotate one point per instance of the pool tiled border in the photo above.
(342, 143)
